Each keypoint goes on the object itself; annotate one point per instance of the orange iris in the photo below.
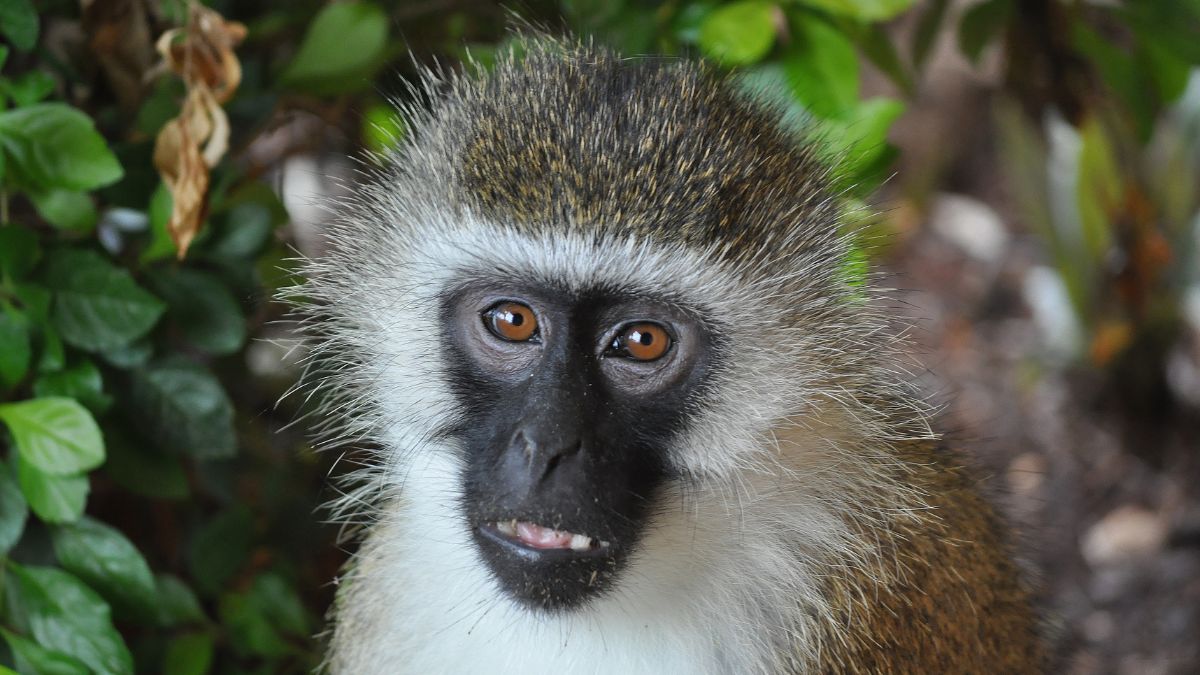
(513, 321)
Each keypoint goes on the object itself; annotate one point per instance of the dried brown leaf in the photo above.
(192, 143)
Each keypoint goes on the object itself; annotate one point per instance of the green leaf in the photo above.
(19, 23)
(31, 657)
(183, 408)
(280, 603)
(249, 629)
(877, 44)
(82, 382)
(980, 24)
(177, 604)
(13, 511)
(220, 548)
(203, 310)
(97, 305)
(161, 245)
(53, 145)
(821, 67)
(242, 233)
(131, 355)
(1099, 189)
(343, 46)
(106, 561)
(150, 472)
(740, 33)
(19, 251)
(863, 10)
(189, 654)
(56, 435)
(28, 88)
(859, 139)
(15, 351)
(1171, 25)
(382, 128)
(66, 209)
(53, 353)
(55, 499)
(927, 31)
(66, 616)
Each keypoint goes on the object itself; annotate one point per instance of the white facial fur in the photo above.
(728, 576)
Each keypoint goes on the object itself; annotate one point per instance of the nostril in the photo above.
(554, 459)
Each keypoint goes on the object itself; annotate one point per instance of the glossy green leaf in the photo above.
(56, 435)
(740, 33)
(19, 251)
(980, 24)
(189, 654)
(863, 10)
(82, 382)
(98, 306)
(220, 548)
(822, 67)
(106, 561)
(131, 355)
(52, 145)
(242, 233)
(13, 510)
(202, 309)
(55, 499)
(343, 46)
(15, 349)
(66, 616)
(183, 408)
(30, 657)
(66, 209)
(19, 23)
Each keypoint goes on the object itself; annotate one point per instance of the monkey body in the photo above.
(632, 417)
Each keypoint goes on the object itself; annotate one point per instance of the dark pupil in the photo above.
(645, 339)
(514, 318)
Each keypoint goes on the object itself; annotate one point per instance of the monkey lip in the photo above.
(527, 535)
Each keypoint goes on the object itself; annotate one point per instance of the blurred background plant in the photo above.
(158, 161)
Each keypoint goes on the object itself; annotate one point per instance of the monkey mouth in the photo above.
(539, 540)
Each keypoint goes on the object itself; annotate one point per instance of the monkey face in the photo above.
(570, 401)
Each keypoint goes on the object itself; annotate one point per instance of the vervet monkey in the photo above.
(631, 414)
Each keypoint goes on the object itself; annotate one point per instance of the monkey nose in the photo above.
(543, 454)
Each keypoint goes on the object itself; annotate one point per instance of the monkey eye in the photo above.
(511, 321)
(641, 342)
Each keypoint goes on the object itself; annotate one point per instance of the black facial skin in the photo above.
(563, 432)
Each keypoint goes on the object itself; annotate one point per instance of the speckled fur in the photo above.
(818, 525)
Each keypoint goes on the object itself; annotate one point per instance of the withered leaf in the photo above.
(189, 145)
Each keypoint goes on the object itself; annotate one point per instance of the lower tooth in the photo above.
(507, 528)
(580, 542)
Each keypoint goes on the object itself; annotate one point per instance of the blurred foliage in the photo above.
(155, 515)
(1101, 145)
